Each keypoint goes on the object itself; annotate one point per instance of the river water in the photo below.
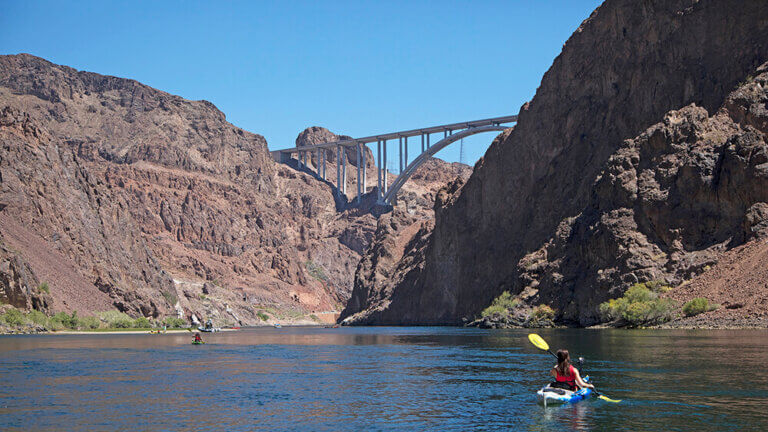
(410, 378)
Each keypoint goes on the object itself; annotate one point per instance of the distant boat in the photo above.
(208, 329)
(277, 325)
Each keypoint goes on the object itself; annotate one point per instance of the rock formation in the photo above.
(627, 66)
(118, 195)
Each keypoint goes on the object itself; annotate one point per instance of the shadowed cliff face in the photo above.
(624, 68)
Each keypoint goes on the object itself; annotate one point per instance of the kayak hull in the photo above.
(197, 343)
(556, 396)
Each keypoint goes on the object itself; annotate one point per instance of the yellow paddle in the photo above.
(541, 344)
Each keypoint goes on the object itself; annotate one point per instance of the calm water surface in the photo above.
(416, 378)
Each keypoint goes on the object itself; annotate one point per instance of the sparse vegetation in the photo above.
(174, 322)
(115, 319)
(502, 305)
(316, 271)
(314, 318)
(44, 288)
(262, 316)
(13, 317)
(542, 312)
(104, 321)
(65, 320)
(640, 306)
(697, 306)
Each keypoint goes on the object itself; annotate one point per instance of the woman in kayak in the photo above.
(198, 338)
(567, 376)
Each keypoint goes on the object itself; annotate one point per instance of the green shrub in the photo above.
(542, 312)
(65, 320)
(115, 319)
(141, 322)
(697, 306)
(314, 318)
(89, 323)
(44, 287)
(501, 305)
(639, 306)
(13, 317)
(262, 316)
(39, 318)
(174, 322)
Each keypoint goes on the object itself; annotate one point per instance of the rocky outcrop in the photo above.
(665, 207)
(397, 248)
(626, 66)
(118, 195)
(136, 192)
(18, 285)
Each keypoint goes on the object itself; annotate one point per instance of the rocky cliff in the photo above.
(117, 195)
(626, 67)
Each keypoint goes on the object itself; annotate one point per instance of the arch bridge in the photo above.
(386, 193)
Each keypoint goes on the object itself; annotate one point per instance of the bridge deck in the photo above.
(407, 133)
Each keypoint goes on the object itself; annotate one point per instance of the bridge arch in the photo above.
(390, 197)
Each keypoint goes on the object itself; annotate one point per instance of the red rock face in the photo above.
(623, 70)
(119, 195)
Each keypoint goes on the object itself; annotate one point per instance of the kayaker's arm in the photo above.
(553, 371)
(580, 382)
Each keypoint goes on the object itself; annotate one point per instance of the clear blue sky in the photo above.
(276, 67)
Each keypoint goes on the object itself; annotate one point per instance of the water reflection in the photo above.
(379, 379)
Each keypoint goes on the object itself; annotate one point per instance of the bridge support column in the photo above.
(323, 152)
(385, 166)
(427, 140)
(359, 180)
(400, 154)
(422, 143)
(317, 162)
(365, 165)
(405, 145)
(378, 169)
(338, 169)
(343, 171)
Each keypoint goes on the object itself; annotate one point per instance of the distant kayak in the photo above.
(552, 395)
(197, 342)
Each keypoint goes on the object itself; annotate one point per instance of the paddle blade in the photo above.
(538, 341)
(609, 399)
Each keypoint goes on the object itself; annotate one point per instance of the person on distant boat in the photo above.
(566, 376)
(198, 339)
(209, 324)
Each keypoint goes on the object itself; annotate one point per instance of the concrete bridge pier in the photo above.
(357, 157)
(323, 150)
(343, 172)
(365, 164)
(338, 169)
(384, 168)
(378, 169)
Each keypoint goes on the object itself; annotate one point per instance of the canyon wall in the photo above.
(117, 195)
(623, 70)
